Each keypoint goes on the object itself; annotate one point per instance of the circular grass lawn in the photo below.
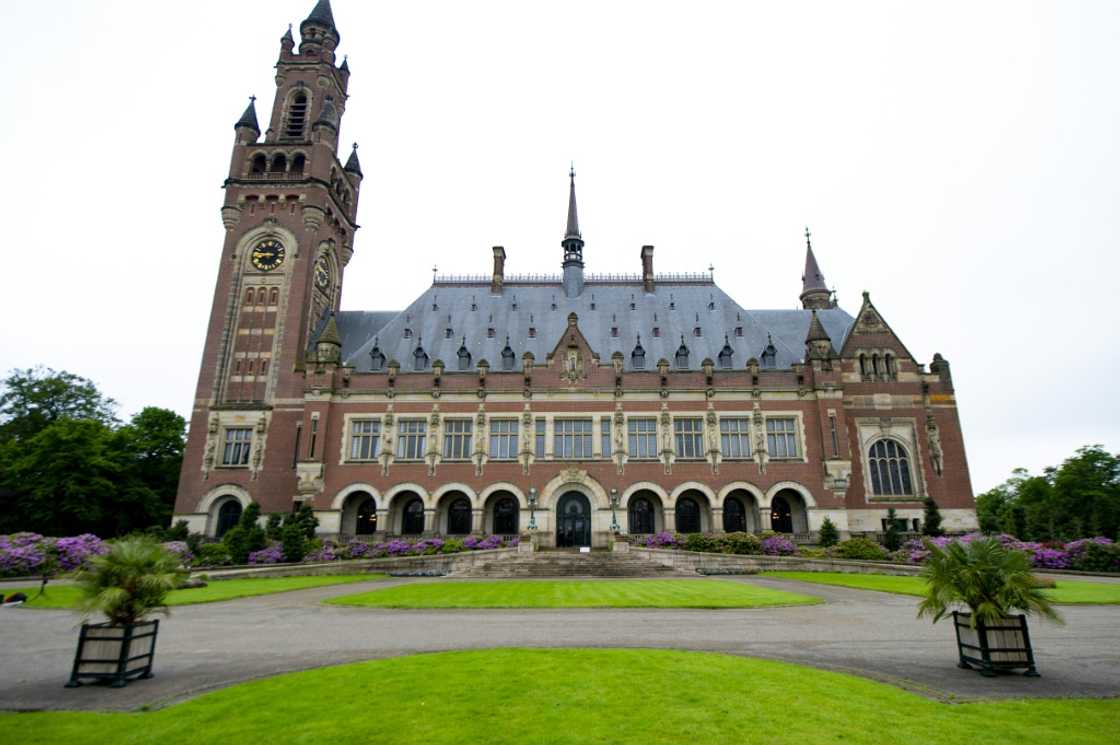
(575, 696)
(571, 593)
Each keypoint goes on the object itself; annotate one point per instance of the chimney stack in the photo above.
(499, 271)
(647, 268)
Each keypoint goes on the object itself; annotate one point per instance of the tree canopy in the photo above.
(68, 466)
(1079, 498)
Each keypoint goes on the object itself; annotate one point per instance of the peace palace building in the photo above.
(571, 405)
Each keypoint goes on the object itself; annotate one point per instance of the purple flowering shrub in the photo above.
(273, 554)
(778, 545)
(324, 553)
(31, 553)
(1071, 555)
(179, 549)
(662, 540)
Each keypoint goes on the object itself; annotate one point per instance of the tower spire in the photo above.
(572, 243)
(814, 292)
(249, 118)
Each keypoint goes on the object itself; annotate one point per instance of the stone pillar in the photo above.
(717, 520)
(429, 520)
(670, 517)
(476, 520)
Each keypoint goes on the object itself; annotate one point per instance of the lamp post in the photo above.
(532, 508)
(615, 527)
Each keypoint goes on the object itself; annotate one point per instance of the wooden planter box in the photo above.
(991, 649)
(117, 654)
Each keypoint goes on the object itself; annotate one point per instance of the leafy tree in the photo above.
(304, 517)
(35, 398)
(829, 535)
(931, 523)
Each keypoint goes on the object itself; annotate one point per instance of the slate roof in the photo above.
(468, 310)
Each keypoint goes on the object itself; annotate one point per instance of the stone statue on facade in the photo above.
(933, 434)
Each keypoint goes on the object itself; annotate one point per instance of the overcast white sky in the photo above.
(957, 160)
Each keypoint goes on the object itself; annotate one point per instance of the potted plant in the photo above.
(127, 584)
(990, 581)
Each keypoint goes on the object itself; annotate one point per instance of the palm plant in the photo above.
(129, 582)
(984, 576)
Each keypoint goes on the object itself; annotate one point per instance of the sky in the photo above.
(958, 160)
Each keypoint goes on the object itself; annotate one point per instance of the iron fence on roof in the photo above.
(485, 279)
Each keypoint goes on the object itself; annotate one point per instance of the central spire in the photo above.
(572, 243)
(814, 292)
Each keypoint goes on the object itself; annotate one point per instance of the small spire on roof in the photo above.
(288, 35)
(816, 330)
(814, 292)
(249, 118)
(330, 333)
(345, 66)
(572, 230)
(352, 164)
(322, 15)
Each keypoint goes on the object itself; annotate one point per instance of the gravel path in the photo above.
(202, 647)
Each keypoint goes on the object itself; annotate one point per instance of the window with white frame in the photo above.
(238, 441)
(541, 427)
(735, 437)
(781, 437)
(365, 439)
(572, 439)
(457, 439)
(689, 435)
(890, 468)
(411, 439)
(605, 436)
(642, 434)
(503, 439)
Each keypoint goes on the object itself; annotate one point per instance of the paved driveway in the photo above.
(202, 647)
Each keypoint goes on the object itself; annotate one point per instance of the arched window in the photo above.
(279, 163)
(734, 515)
(366, 520)
(863, 365)
(507, 356)
(249, 296)
(259, 164)
(875, 365)
(890, 468)
(274, 296)
(638, 356)
(682, 355)
(228, 516)
(464, 356)
(412, 521)
(641, 516)
(726, 354)
(297, 116)
(688, 515)
(298, 163)
(889, 367)
(459, 517)
(505, 516)
(376, 358)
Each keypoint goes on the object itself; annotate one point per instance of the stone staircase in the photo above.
(570, 564)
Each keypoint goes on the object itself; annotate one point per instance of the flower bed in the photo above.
(25, 554)
(1087, 554)
(331, 551)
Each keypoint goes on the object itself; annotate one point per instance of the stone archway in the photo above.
(359, 514)
(788, 513)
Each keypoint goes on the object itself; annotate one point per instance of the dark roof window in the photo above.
(682, 355)
(725, 354)
(376, 358)
(464, 355)
(419, 357)
(638, 356)
(507, 356)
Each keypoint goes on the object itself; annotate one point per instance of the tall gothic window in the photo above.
(890, 468)
(297, 116)
(689, 434)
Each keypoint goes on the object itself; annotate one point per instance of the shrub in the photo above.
(814, 552)
(181, 550)
(664, 540)
(860, 548)
(213, 555)
(1094, 555)
(700, 542)
(829, 535)
(778, 545)
(272, 526)
(130, 581)
(740, 543)
(453, 546)
(931, 522)
(356, 550)
(274, 554)
(325, 552)
(294, 541)
(180, 531)
(305, 518)
(247, 536)
(892, 539)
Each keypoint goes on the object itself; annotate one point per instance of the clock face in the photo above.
(268, 255)
(323, 274)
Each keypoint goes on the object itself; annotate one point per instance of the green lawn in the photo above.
(653, 593)
(1067, 591)
(576, 697)
(66, 596)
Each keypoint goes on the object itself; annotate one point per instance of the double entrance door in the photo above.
(573, 520)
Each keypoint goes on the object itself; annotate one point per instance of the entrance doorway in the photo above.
(573, 520)
(781, 516)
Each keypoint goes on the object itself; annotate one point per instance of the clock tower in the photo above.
(289, 215)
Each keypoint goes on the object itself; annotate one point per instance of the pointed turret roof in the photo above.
(812, 279)
(288, 35)
(816, 330)
(345, 66)
(330, 334)
(249, 118)
(573, 219)
(322, 15)
(352, 164)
